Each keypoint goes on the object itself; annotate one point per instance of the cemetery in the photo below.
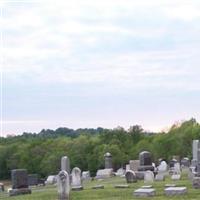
(180, 179)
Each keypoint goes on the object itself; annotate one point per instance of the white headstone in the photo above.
(128, 167)
(120, 172)
(76, 178)
(65, 164)
(63, 185)
(177, 168)
(162, 167)
(104, 173)
(86, 175)
(148, 177)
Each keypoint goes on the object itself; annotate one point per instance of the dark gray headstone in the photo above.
(185, 162)
(19, 178)
(145, 161)
(32, 179)
(19, 182)
(108, 160)
(130, 176)
(145, 158)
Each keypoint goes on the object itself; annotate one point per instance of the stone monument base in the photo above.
(15, 192)
(145, 168)
(77, 188)
(145, 192)
(196, 182)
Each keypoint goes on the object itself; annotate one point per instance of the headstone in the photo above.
(172, 163)
(2, 187)
(177, 168)
(160, 177)
(176, 177)
(147, 186)
(130, 176)
(32, 179)
(171, 191)
(120, 172)
(134, 165)
(98, 187)
(86, 175)
(170, 185)
(76, 179)
(121, 186)
(145, 161)
(65, 164)
(148, 177)
(185, 162)
(196, 182)
(52, 179)
(19, 182)
(195, 147)
(104, 173)
(108, 160)
(162, 167)
(63, 185)
(145, 192)
(140, 175)
(128, 167)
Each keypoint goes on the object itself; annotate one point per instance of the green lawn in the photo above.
(110, 193)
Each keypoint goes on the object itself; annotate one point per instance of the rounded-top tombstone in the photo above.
(145, 161)
(76, 179)
(65, 164)
(108, 160)
(130, 176)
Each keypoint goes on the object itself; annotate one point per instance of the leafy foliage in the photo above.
(41, 153)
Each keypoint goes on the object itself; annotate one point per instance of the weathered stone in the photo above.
(121, 186)
(144, 192)
(108, 160)
(98, 187)
(140, 175)
(170, 185)
(148, 177)
(32, 179)
(65, 164)
(19, 182)
(20, 191)
(195, 147)
(147, 186)
(76, 179)
(130, 176)
(185, 162)
(170, 191)
(2, 187)
(128, 167)
(52, 179)
(120, 172)
(63, 185)
(162, 167)
(86, 175)
(177, 168)
(134, 165)
(145, 158)
(160, 177)
(196, 182)
(145, 161)
(19, 178)
(104, 173)
(176, 177)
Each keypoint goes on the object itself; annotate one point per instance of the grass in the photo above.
(109, 192)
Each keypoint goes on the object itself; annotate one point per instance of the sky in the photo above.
(92, 63)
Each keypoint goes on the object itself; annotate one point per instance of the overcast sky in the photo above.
(98, 63)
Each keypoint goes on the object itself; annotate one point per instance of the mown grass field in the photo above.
(109, 192)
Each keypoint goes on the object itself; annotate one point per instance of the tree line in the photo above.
(41, 153)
